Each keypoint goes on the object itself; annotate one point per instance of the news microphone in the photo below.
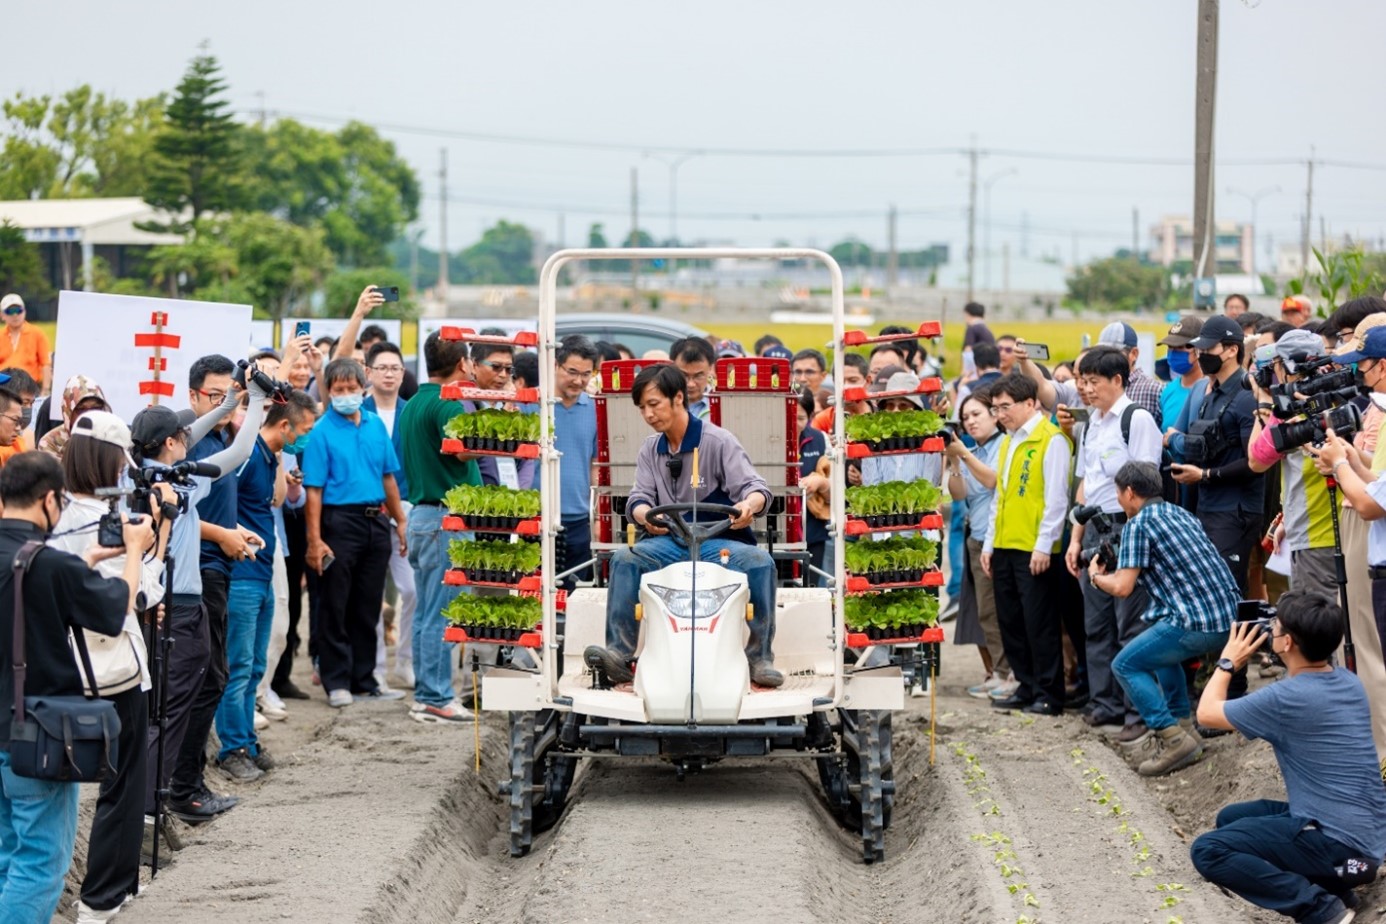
(204, 469)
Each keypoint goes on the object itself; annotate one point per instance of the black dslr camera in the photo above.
(1322, 399)
(110, 529)
(1259, 613)
(278, 391)
(1109, 537)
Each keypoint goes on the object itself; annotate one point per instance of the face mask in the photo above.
(26, 417)
(1179, 361)
(300, 443)
(1210, 364)
(346, 405)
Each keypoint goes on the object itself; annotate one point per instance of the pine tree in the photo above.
(198, 152)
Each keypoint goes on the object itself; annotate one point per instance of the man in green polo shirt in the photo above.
(430, 475)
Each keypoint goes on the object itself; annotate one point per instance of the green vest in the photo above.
(1020, 504)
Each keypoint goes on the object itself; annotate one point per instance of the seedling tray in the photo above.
(928, 330)
(467, 391)
(860, 526)
(524, 338)
(870, 583)
(531, 638)
(510, 449)
(895, 446)
(458, 577)
(931, 635)
(517, 525)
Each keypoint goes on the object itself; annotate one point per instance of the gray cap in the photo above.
(1118, 333)
(1299, 345)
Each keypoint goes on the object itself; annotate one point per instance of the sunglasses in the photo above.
(499, 368)
(14, 310)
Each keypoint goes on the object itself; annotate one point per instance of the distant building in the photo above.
(1173, 244)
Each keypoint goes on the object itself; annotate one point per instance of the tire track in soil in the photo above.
(1077, 858)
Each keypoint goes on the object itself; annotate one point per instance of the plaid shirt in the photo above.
(1145, 391)
(1181, 571)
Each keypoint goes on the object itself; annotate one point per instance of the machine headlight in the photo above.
(681, 603)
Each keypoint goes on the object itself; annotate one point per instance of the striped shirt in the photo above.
(1183, 574)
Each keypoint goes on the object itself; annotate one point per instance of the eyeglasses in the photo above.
(998, 409)
(388, 370)
(14, 310)
(498, 368)
(576, 373)
(699, 377)
(216, 397)
(803, 373)
(17, 418)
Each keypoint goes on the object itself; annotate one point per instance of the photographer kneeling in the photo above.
(1301, 857)
(1193, 600)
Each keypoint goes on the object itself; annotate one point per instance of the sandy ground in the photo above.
(378, 819)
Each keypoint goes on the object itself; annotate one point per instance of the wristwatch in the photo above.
(1226, 664)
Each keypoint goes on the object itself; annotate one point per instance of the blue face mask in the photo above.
(299, 445)
(1180, 361)
(346, 405)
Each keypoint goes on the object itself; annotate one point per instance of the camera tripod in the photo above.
(1340, 576)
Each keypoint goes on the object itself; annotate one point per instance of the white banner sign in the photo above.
(261, 336)
(139, 349)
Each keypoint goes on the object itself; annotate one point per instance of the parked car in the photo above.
(639, 332)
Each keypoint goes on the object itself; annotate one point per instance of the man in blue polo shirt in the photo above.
(348, 470)
(575, 436)
(250, 601)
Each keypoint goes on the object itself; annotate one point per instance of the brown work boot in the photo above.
(1174, 750)
(1189, 726)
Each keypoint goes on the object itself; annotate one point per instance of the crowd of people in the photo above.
(1105, 526)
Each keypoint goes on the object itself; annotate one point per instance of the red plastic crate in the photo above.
(752, 374)
(455, 577)
(857, 527)
(467, 391)
(459, 635)
(863, 451)
(932, 635)
(456, 524)
(523, 451)
(927, 330)
(858, 584)
(524, 338)
(619, 374)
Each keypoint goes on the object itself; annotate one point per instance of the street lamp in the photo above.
(986, 223)
(1254, 198)
(674, 165)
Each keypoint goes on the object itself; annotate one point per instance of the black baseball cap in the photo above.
(157, 423)
(1218, 329)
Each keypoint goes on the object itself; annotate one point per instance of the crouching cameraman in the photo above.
(1301, 857)
(1193, 600)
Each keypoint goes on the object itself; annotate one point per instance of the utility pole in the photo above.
(972, 218)
(1205, 105)
(1135, 233)
(634, 234)
(443, 229)
(1308, 214)
(893, 258)
(1025, 234)
(1006, 266)
(1254, 199)
(560, 230)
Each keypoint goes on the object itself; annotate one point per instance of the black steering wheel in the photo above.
(691, 533)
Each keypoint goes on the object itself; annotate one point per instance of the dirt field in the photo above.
(377, 819)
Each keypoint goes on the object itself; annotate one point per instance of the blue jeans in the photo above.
(630, 563)
(957, 551)
(249, 617)
(1148, 669)
(1273, 860)
(577, 548)
(428, 556)
(38, 828)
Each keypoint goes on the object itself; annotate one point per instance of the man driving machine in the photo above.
(664, 471)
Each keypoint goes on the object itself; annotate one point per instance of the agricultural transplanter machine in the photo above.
(692, 702)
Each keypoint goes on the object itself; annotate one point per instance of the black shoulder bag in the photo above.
(62, 739)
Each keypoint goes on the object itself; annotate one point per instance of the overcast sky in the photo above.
(1066, 77)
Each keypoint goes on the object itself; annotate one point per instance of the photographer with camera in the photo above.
(62, 592)
(1118, 431)
(1301, 857)
(93, 462)
(1192, 601)
(1305, 399)
(160, 440)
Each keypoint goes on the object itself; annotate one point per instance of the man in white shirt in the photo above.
(1118, 432)
(1029, 507)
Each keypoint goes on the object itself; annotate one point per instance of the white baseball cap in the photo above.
(11, 300)
(103, 426)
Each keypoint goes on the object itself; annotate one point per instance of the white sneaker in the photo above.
(339, 698)
(261, 723)
(271, 711)
(454, 713)
(88, 915)
(1005, 690)
(404, 675)
(983, 689)
(275, 700)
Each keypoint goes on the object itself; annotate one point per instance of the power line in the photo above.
(705, 216)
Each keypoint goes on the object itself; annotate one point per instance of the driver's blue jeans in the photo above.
(630, 563)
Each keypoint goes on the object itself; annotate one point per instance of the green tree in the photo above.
(196, 168)
(505, 254)
(596, 237)
(851, 252)
(344, 287)
(1342, 276)
(30, 162)
(1115, 283)
(278, 264)
(21, 270)
(353, 184)
(199, 262)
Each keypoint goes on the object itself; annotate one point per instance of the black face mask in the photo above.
(1210, 364)
(26, 417)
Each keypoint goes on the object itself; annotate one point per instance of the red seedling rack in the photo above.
(456, 577)
(932, 635)
(928, 330)
(467, 391)
(863, 451)
(524, 338)
(926, 387)
(532, 639)
(523, 451)
(618, 375)
(859, 584)
(857, 527)
(456, 524)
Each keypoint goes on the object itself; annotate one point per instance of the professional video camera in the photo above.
(1109, 537)
(1260, 613)
(277, 391)
(1322, 398)
(145, 477)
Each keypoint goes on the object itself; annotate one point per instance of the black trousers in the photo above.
(1233, 534)
(113, 855)
(1027, 610)
(352, 589)
(187, 669)
(188, 778)
(575, 548)
(296, 567)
